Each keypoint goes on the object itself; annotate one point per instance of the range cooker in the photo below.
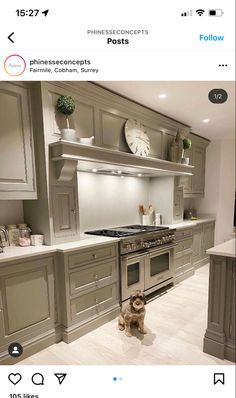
(146, 256)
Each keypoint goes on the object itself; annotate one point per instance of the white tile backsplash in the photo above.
(109, 201)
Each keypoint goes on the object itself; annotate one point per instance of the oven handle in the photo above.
(160, 249)
(132, 257)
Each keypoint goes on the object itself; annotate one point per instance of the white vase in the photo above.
(185, 160)
(68, 134)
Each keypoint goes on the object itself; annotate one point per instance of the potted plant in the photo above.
(186, 145)
(66, 105)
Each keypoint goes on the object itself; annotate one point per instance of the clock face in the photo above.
(136, 138)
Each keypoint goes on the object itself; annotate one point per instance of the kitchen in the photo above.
(63, 189)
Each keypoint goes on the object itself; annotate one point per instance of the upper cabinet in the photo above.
(194, 186)
(17, 169)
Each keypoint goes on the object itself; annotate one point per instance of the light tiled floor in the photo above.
(176, 323)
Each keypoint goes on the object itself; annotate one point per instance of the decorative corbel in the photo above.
(65, 169)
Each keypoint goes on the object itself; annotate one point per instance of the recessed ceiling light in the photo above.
(119, 171)
(139, 175)
(94, 170)
(162, 96)
(206, 120)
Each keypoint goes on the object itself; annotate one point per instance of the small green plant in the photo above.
(186, 145)
(66, 105)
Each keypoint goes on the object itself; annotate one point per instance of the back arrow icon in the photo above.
(9, 37)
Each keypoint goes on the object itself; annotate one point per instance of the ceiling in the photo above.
(186, 102)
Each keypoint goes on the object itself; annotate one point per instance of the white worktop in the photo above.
(226, 249)
(190, 223)
(17, 252)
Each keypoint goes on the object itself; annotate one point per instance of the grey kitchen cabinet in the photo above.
(230, 304)
(17, 164)
(220, 339)
(183, 254)
(89, 288)
(197, 244)
(28, 310)
(203, 239)
(194, 186)
(64, 210)
(178, 203)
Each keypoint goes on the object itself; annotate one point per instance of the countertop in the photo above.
(17, 252)
(190, 223)
(226, 249)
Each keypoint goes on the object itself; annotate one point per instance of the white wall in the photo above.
(11, 212)
(110, 201)
(219, 187)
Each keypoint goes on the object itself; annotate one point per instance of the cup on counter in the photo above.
(147, 219)
(37, 240)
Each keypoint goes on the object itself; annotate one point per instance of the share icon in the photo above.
(61, 377)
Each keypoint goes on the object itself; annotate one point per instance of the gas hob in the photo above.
(137, 237)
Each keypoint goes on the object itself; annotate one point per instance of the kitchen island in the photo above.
(219, 339)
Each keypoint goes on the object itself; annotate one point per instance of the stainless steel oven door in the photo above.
(132, 274)
(159, 266)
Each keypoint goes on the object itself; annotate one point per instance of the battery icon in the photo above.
(216, 13)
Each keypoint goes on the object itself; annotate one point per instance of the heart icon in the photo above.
(14, 378)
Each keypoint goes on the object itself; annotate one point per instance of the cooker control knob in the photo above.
(159, 241)
(145, 244)
(163, 239)
(133, 246)
(127, 246)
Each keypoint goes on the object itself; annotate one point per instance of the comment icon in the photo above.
(38, 379)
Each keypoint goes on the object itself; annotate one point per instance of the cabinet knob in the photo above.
(94, 255)
(73, 211)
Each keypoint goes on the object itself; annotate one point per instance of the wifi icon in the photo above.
(200, 12)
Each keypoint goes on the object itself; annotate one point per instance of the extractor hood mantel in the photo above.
(70, 156)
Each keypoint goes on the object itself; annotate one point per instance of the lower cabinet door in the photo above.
(207, 237)
(197, 244)
(27, 300)
(94, 303)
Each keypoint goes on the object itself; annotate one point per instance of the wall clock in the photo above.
(136, 138)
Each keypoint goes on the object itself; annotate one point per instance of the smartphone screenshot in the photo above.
(117, 199)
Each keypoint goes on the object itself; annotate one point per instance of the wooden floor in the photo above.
(176, 323)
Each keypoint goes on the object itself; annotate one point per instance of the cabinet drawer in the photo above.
(184, 245)
(183, 233)
(93, 303)
(92, 255)
(94, 276)
(182, 261)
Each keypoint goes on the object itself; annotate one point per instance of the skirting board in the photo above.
(183, 276)
(202, 262)
(219, 350)
(74, 332)
(33, 346)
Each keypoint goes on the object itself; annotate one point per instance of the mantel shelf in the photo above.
(70, 156)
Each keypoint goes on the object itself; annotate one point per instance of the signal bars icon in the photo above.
(187, 14)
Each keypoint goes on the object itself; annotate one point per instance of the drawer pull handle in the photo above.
(96, 277)
(96, 301)
(94, 256)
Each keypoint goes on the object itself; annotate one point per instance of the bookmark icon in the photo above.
(61, 377)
